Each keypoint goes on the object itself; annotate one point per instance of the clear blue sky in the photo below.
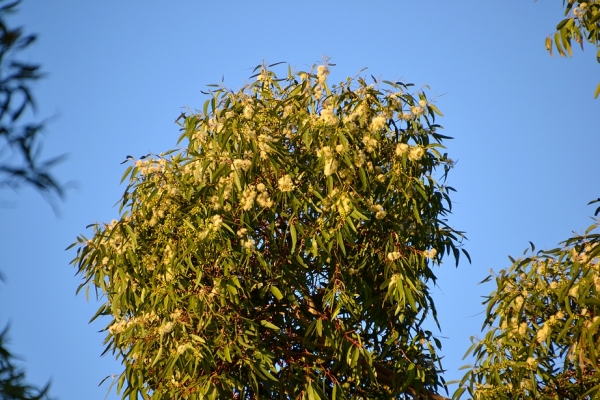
(526, 132)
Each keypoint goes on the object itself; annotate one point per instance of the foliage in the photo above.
(287, 252)
(582, 23)
(542, 320)
(542, 327)
(20, 143)
(12, 386)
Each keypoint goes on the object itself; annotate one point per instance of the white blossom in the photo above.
(378, 123)
(285, 183)
(322, 72)
(165, 328)
(415, 153)
(243, 165)
(328, 117)
(248, 112)
(216, 222)
(401, 149)
(542, 334)
(249, 243)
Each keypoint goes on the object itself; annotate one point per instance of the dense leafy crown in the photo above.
(542, 327)
(286, 252)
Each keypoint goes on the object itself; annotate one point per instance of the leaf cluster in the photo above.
(542, 327)
(582, 23)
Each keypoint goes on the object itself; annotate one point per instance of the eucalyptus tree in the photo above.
(285, 251)
(541, 325)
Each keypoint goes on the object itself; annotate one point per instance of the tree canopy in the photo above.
(286, 251)
(542, 326)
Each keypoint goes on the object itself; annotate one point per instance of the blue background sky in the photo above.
(526, 132)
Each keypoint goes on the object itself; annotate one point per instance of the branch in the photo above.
(386, 377)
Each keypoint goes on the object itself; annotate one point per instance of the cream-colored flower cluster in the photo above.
(322, 73)
(431, 253)
(165, 328)
(263, 198)
(343, 205)
(264, 145)
(285, 183)
(378, 123)
(246, 241)
(328, 116)
(248, 197)
(370, 143)
(243, 165)
(380, 213)
(416, 153)
(402, 149)
(413, 153)
(150, 166)
(249, 243)
(330, 163)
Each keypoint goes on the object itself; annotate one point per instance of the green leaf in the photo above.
(319, 326)
(358, 215)
(152, 194)
(310, 392)
(590, 301)
(232, 290)
(340, 242)
(294, 238)
(562, 23)
(266, 373)
(435, 109)
(557, 40)
(295, 91)
(160, 351)
(363, 177)
(566, 41)
(126, 173)
(205, 109)
(276, 292)
(549, 46)
(236, 179)
(72, 245)
(355, 356)
(269, 325)
(227, 354)
(131, 234)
